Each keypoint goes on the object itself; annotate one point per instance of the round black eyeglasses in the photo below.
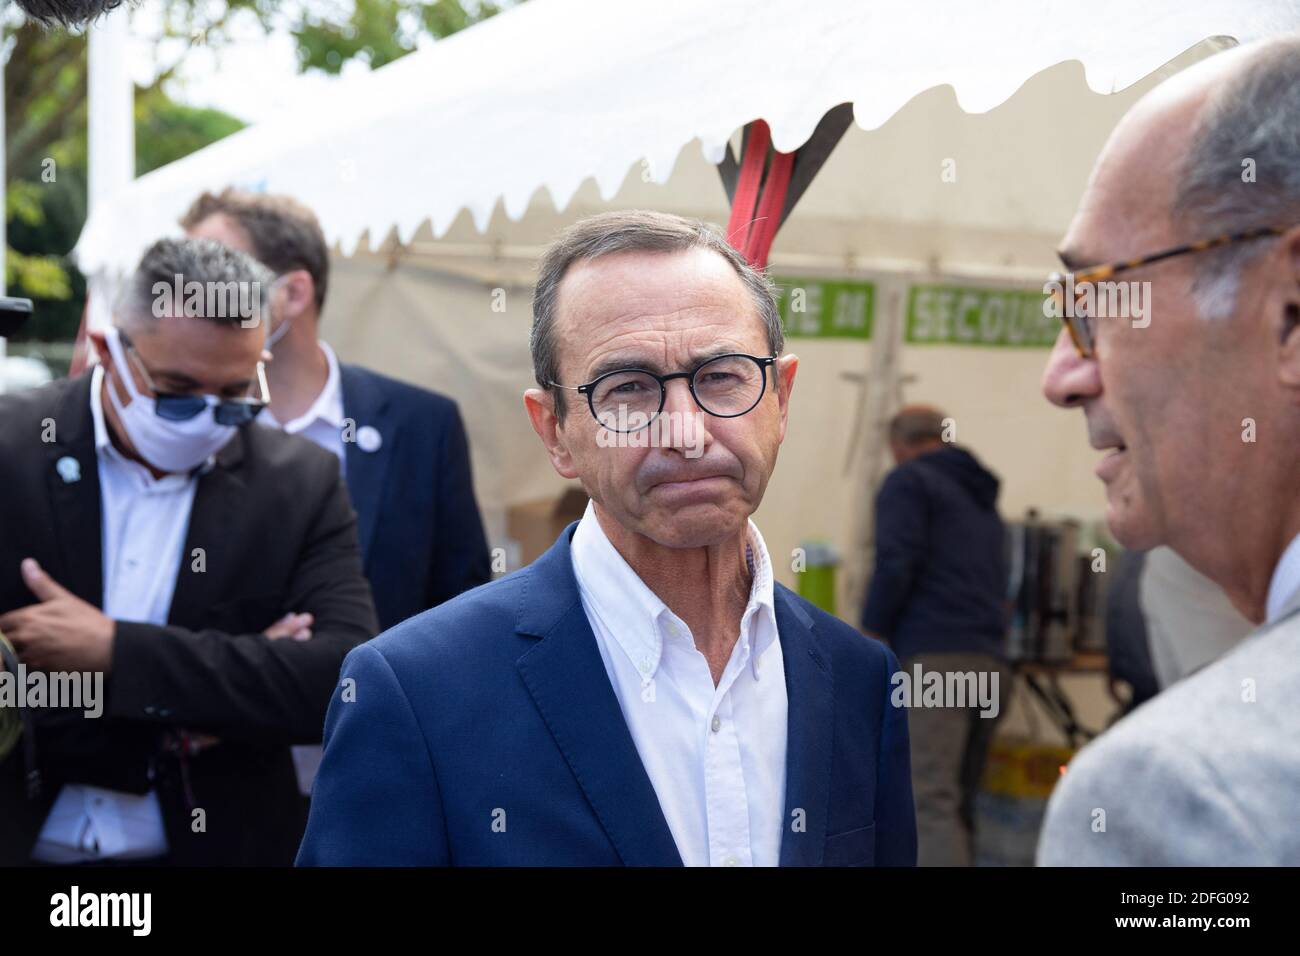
(628, 400)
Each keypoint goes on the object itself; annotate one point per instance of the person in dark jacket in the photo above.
(403, 449)
(151, 537)
(938, 597)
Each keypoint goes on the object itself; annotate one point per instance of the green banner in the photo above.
(826, 308)
(958, 315)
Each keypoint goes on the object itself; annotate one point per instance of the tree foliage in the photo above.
(46, 111)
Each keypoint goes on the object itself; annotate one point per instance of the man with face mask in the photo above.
(403, 449)
(151, 537)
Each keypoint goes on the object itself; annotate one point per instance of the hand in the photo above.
(62, 632)
(296, 626)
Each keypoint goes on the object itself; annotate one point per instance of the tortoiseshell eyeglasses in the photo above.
(1080, 323)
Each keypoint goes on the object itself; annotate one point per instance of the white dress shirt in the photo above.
(144, 523)
(1285, 581)
(1190, 621)
(323, 422)
(715, 755)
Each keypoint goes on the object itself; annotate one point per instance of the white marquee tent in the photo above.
(441, 176)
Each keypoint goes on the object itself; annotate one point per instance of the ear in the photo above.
(296, 293)
(1289, 329)
(98, 342)
(541, 412)
(784, 371)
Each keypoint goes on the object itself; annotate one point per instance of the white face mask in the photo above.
(277, 334)
(167, 445)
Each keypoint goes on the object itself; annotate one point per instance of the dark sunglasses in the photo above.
(174, 407)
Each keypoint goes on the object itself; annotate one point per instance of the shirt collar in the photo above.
(1285, 581)
(637, 618)
(328, 406)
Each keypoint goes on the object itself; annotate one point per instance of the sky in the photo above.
(253, 77)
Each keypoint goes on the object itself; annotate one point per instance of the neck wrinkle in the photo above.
(707, 587)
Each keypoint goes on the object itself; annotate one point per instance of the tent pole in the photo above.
(111, 149)
(882, 395)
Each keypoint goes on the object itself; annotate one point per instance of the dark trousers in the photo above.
(949, 746)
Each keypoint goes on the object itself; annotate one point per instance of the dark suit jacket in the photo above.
(498, 703)
(278, 535)
(421, 535)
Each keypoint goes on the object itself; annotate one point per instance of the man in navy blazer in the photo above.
(403, 449)
(644, 693)
(422, 539)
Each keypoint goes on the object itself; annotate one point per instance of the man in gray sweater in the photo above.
(1194, 205)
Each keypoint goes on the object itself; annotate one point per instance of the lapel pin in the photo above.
(369, 439)
(69, 469)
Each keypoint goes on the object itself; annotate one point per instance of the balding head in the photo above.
(1197, 400)
(914, 430)
(1172, 170)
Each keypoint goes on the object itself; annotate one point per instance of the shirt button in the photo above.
(644, 666)
(717, 723)
(731, 861)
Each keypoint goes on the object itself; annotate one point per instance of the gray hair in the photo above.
(1255, 116)
(636, 230)
(235, 287)
(916, 424)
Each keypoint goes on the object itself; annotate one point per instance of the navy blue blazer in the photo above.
(421, 536)
(485, 732)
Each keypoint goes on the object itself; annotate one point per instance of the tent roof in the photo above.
(555, 92)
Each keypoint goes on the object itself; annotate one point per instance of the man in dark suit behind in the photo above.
(153, 533)
(403, 449)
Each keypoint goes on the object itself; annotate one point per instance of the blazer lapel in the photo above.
(73, 476)
(209, 541)
(566, 676)
(811, 727)
(364, 403)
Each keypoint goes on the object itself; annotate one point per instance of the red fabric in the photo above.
(768, 219)
(758, 201)
(748, 182)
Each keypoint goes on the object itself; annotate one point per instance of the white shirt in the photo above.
(323, 422)
(1190, 621)
(1285, 581)
(144, 521)
(715, 755)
